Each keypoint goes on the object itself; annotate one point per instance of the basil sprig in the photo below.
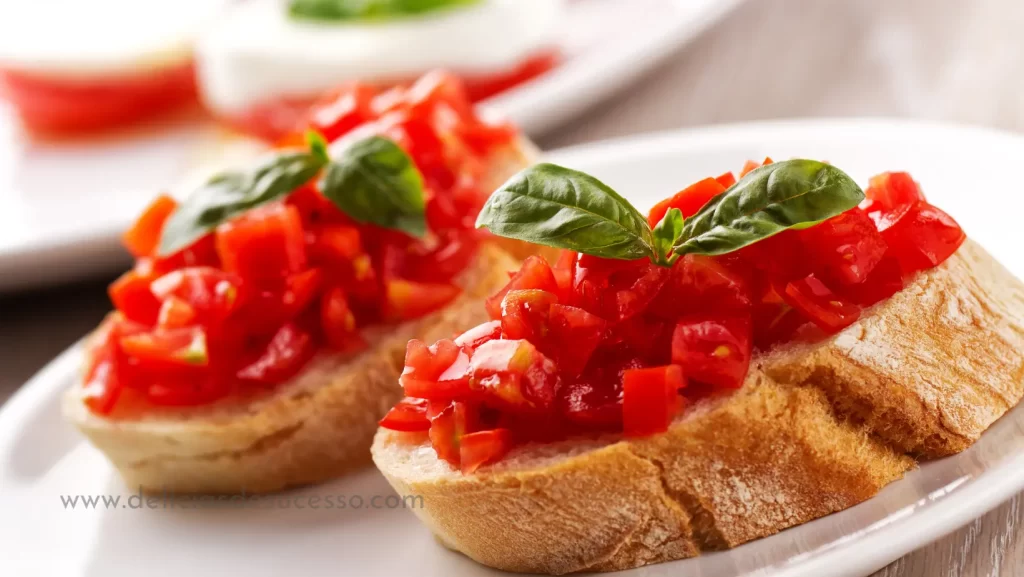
(556, 206)
(563, 208)
(341, 10)
(373, 181)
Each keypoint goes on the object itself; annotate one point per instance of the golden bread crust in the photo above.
(815, 429)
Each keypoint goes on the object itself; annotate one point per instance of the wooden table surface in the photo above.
(955, 60)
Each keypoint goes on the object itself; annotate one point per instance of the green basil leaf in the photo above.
(563, 208)
(666, 233)
(767, 201)
(342, 10)
(317, 145)
(375, 181)
(231, 193)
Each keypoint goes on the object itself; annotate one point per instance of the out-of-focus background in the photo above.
(947, 60)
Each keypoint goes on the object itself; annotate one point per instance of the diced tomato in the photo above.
(514, 375)
(409, 414)
(175, 313)
(143, 237)
(183, 346)
(409, 300)
(751, 165)
(132, 296)
(564, 271)
(650, 399)
(726, 180)
(483, 447)
(264, 245)
(212, 293)
(820, 305)
(774, 320)
(479, 335)
(438, 372)
(454, 252)
(782, 257)
(891, 190)
(700, 284)
(923, 238)
(713, 350)
(102, 385)
(447, 430)
(884, 281)
(573, 336)
(314, 208)
(594, 399)
(284, 356)
(428, 363)
(689, 200)
(338, 322)
(632, 301)
(524, 314)
(341, 110)
(334, 244)
(201, 253)
(846, 248)
(535, 273)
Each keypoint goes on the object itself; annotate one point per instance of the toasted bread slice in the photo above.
(317, 426)
(815, 429)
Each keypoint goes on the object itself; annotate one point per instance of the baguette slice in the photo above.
(815, 429)
(315, 427)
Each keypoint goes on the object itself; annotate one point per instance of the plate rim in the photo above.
(931, 521)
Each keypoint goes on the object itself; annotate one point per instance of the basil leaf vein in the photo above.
(232, 193)
(375, 181)
(767, 201)
(563, 208)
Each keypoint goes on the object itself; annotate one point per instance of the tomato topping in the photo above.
(525, 313)
(271, 287)
(534, 274)
(923, 237)
(650, 399)
(820, 305)
(482, 447)
(847, 247)
(595, 345)
(689, 200)
(410, 300)
(715, 351)
(408, 415)
(891, 190)
(182, 346)
(131, 295)
(144, 236)
(265, 244)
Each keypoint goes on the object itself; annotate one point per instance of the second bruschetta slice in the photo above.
(259, 337)
(752, 356)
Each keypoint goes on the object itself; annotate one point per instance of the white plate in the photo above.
(41, 458)
(63, 205)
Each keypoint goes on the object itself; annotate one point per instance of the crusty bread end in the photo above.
(815, 429)
(316, 427)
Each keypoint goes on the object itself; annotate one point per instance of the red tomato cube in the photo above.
(482, 447)
(845, 248)
(650, 399)
(264, 245)
(689, 200)
(923, 238)
(535, 273)
(285, 355)
(524, 314)
(143, 238)
(573, 336)
(409, 414)
(405, 299)
(820, 305)
(713, 350)
(514, 375)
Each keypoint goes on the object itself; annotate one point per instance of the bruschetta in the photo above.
(259, 337)
(751, 356)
